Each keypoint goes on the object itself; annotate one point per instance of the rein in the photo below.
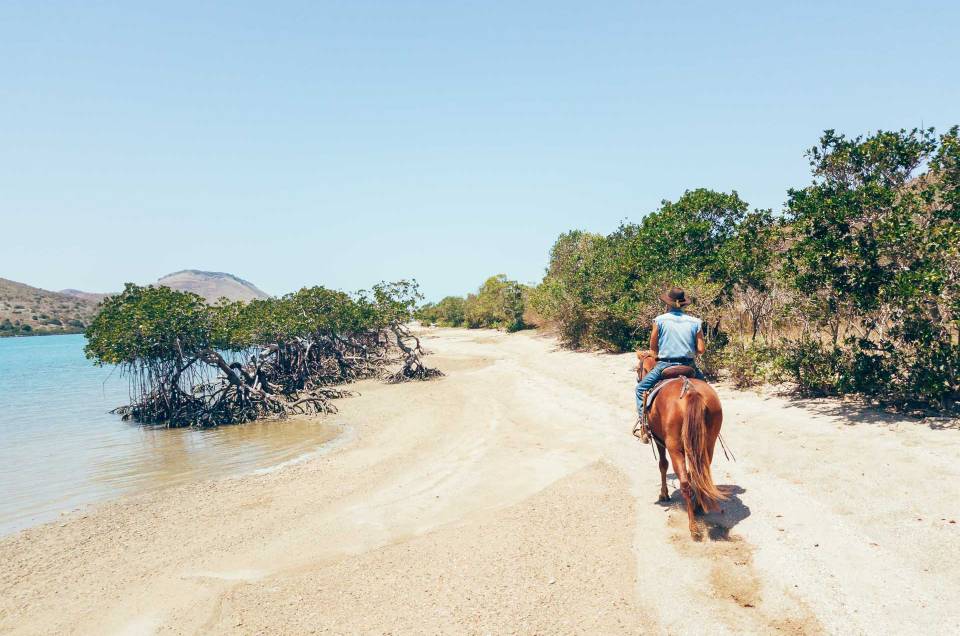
(723, 445)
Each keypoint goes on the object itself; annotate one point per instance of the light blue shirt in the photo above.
(677, 333)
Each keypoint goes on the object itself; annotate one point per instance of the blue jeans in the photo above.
(654, 376)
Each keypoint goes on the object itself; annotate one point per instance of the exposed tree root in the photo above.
(278, 380)
(413, 367)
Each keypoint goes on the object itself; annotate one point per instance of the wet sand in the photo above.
(510, 496)
(147, 459)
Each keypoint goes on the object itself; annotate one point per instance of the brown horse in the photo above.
(685, 422)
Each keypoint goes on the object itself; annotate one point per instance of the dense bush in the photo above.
(875, 253)
(192, 364)
(449, 312)
(603, 291)
(498, 304)
(854, 289)
(750, 364)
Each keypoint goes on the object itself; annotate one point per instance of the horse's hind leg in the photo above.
(680, 467)
(664, 495)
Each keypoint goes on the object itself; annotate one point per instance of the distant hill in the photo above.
(76, 293)
(31, 311)
(212, 285)
(26, 310)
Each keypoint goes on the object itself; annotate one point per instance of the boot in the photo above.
(640, 430)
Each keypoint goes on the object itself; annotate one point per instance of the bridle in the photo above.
(641, 372)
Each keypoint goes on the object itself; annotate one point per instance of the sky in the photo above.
(344, 143)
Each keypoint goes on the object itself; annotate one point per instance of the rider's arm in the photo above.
(701, 343)
(655, 340)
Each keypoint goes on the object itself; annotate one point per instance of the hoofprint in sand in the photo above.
(510, 496)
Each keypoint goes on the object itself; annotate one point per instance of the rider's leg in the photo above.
(640, 429)
(648, 381)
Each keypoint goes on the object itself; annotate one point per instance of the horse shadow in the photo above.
(720, 523)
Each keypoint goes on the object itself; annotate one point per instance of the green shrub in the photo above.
(811, 366)
(449, 312)
(855, 289)
(497, 304)
(749, 364)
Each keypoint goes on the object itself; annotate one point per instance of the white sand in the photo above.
(509, 497)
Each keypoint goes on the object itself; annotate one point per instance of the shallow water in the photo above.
(60, 447)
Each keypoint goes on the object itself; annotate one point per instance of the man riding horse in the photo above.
(678, 408)
(674, 341)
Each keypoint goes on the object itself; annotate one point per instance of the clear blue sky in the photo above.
(342, 143)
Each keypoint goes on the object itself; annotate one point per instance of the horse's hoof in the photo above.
(663, 498)
(696, 534)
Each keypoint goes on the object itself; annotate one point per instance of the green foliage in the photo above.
(286, 352)
(148, 323)
(875, 250)
(689, 236)
(851, 223)
(565, 297)
(749, 364)
(603, 291)
(500, 303)
(856, 289)
(812, 367)
(449, 312)
(497, 304)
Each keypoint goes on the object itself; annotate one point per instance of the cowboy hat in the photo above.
(676, 297)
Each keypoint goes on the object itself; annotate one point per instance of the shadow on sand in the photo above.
(853, 413)
(718, 524)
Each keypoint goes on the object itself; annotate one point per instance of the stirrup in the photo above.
(640, 430)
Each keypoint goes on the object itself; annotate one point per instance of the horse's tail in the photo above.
(694, 435)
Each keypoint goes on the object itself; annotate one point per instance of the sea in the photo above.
(61, 449)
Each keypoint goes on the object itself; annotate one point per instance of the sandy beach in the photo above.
(510, 497)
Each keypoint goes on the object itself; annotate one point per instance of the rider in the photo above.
(675, 339)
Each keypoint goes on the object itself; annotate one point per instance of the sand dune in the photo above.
(509, 497)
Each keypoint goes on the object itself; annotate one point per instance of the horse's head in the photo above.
(646, 360)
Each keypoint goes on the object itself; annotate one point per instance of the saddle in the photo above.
(678, 371)
(669, 375)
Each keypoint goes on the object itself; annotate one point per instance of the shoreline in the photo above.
(198, 467)
(510, 495)
(138, 498)
(41, 333)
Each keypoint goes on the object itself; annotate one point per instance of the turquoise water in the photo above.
(60, 448)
